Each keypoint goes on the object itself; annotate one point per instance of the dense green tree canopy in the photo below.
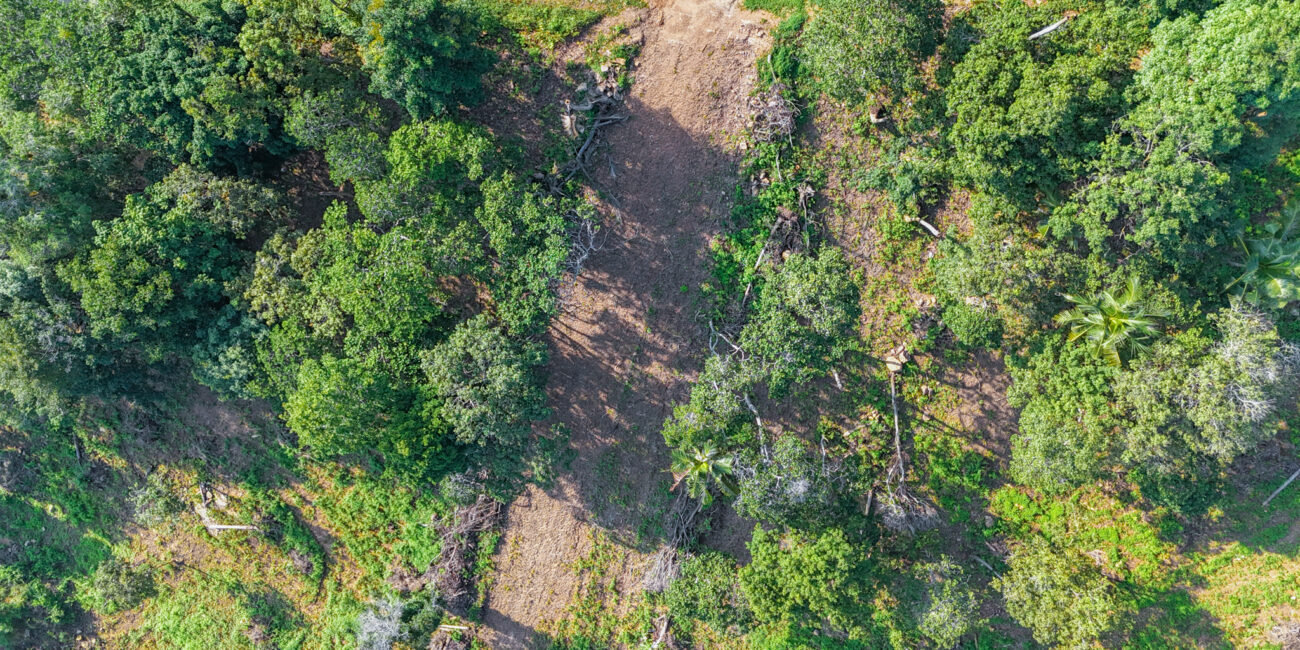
(1062, 596)
(166, 264)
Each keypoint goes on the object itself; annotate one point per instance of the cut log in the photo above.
(1283, 487)
(1049, 29)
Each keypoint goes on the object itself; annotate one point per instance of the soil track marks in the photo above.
(627, 344)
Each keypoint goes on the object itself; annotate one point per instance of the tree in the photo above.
(1215, 95)
(487, 384)
(225, 356)
(805, 580)
(1224, 82)
(1116, 327)
(1060, 595)
(1067, 420)
(164, 267)
(179, 84)
(1195, 398)
(373, 297)
(858, 51)
(529, 248)
(806, 317)
(1030, 115)
(788, 488)
(703, 467)
(340, 407)
(949, 609)
(345, 127)
(716, 410)
(421, 54)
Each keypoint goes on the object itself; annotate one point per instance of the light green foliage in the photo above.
(1067, 420)
(789, 487)
(434, 169)
(973, 325)
(858, 51)
(164, 267)
(1060, 595)
(708, 589)
(1030, 115)
(341, 407)
(805, 580)
(487, 384)
(1115, 326)
(701, 468)
(949, 609)
(420, 54)
(1215, 82)
(1195, 398)
(806, 319)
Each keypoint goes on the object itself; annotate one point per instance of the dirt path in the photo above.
(624, 350)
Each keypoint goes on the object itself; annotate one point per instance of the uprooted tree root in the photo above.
(591, 116)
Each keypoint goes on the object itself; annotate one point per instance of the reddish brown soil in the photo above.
(626, 346)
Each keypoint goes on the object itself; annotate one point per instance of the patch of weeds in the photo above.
(954, 473)
(214, 609)
(590, 620)
(379, 520)
(778, 7)
(283, 527)
(483, 569)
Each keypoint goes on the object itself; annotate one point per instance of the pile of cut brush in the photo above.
(449, 574)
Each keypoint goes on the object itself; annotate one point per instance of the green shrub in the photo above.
(708, 589)
(974, 326)
(154, 502)
(949, 609)
(117, 585)
(1060, 595)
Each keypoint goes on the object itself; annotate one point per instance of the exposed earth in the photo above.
(627, 344)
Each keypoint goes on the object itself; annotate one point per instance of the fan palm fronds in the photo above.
(703, 467)
(1115, 327)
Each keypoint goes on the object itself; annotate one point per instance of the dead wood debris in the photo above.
(900, 509)
(666, 563)
(602, 100)
(442, 640)
(772, 114)
(449, 573)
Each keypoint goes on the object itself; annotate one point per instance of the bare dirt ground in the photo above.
(623, 351)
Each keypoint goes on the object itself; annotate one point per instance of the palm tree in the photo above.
(702, 467)
(1115, 327)
(1270, 274)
